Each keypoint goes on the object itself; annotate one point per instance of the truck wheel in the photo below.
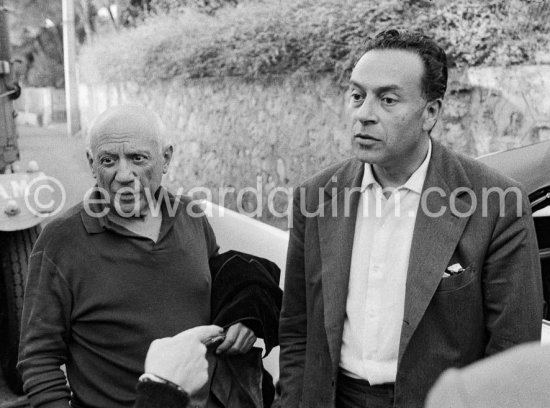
(15, 249)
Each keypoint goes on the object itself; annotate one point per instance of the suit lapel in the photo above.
(336, 231)
(435, 237)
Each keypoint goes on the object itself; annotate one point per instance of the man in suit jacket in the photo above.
(406, 259)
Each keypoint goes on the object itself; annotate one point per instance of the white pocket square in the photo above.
(453, 270)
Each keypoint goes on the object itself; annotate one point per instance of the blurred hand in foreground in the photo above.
(181, 359)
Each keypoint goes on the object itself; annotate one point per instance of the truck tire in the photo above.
(15, 249)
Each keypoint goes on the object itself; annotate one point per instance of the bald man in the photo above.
(124, 267)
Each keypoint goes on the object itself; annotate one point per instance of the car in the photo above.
(530, 165)
(19, 229)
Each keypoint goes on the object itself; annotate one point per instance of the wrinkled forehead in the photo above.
(123, 126)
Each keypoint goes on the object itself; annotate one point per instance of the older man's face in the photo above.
(128, 163)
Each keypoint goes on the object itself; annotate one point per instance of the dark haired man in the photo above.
(402, 271)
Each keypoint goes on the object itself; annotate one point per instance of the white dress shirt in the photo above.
(378, 275)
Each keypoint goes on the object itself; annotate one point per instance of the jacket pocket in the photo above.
(458, 281)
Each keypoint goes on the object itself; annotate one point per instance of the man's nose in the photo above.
(366, 113)
(125, 173)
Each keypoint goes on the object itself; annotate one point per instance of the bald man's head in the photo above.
(128, 153)
(128, 119)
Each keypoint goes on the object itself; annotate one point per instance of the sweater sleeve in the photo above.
(158, 395)
(210, 237)
(44, 330)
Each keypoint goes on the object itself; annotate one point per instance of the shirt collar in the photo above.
(91, 211)
(368, 178)
(415, 181)
(95, 223)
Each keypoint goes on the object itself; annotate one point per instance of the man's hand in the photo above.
(238, 340)
(181, 359)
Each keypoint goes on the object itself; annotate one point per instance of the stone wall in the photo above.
(233, 133)
(492, 109)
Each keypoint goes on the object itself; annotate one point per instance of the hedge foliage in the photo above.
(262, 38)
(204, 6)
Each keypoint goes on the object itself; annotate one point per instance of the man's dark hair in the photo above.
(434, 78)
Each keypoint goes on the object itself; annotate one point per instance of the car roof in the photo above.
(530, 165)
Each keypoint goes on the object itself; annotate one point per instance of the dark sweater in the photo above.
(156, 395)
(98, 294)
(245, 289)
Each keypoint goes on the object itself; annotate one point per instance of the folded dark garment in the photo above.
(245, 288)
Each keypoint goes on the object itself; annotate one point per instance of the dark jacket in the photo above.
(244, 289)
(448, 322)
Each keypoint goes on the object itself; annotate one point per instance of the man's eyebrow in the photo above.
(352, 83)
(388, 88)
(138, 151)
(105, 151)
(379, 90)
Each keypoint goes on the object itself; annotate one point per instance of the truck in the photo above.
(19, 222)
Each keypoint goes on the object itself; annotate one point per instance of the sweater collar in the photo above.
(94, 211)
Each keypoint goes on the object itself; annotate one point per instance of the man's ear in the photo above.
(90, 158)
(431, 114)
(167, 156)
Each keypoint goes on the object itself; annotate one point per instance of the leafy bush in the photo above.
(205, 6)
(258, 39)
(41, 57)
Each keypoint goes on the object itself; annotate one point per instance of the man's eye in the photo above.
(388, 100)
(106, 161)
(356, 96)
(139, 158)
